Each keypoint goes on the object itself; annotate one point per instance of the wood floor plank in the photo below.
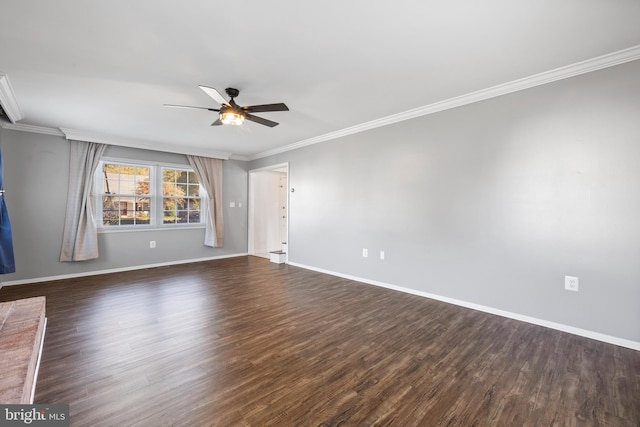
(245, 342)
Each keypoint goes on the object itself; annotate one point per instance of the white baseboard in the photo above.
(540, 322)
(116, 270)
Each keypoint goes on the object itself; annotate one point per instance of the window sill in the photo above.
(109, 230)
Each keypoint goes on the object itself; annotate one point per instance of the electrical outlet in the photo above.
(571, 283)
(365, 253)
(152, 244)
(381, 254)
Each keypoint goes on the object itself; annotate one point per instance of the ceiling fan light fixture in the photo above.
(231, 117)
(231, 113)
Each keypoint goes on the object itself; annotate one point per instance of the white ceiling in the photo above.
(105, 69)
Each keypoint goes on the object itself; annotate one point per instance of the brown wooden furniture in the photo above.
(22, 326)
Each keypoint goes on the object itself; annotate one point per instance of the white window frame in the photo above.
(155, 196)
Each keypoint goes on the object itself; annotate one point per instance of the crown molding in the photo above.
(8, 99)
(31, 128)
(80, 135)
(583, 67)
(9, 104)
(107, 139)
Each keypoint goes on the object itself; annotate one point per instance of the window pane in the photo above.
(169, 217)
(168, 175)
(181, 176)
(168, 189)
(182, 217)
(110, 210)
(142, 187)
(142, 178)
(116, 185)
(181, 190)
(192, 178)
(127, 171)
(110, 178)
(110, 202)
(194, 190)
(127, 187)
(127, 210)
(142, 172)
(111, 168)
(194, 217)
(106, 186)
(142, 217)
(168, 204)
(143, 204)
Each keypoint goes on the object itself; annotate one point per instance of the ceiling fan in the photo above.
(231, 113)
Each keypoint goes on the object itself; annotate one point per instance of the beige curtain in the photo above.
(80, 237)
(209, 173)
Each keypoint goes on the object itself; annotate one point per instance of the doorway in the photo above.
(269, 210)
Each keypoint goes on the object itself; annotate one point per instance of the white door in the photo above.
(268, 209)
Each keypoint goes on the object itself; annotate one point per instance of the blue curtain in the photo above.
(7, 261)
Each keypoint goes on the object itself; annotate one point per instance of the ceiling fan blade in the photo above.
(260, 120)
(189, 106)
(214, 94)
(218, 122)
(266, 107)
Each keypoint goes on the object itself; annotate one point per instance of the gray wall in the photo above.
(491, 203)
(36, 169)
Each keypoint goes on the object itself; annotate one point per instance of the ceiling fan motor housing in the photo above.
(232, 92)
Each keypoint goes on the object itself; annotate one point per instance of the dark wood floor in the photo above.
(243, 341)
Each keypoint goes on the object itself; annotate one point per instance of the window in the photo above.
(180, 197)
(126, 192)
(142, 196)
